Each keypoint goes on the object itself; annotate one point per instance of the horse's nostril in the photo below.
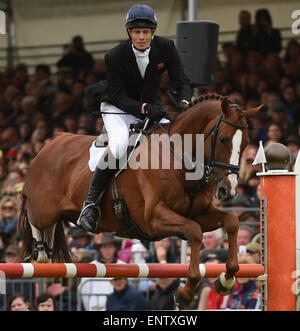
(222, 194)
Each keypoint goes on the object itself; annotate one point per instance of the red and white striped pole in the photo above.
(154, 270)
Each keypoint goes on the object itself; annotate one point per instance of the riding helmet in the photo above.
(141, 16)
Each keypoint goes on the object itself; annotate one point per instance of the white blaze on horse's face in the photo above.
(234, 159)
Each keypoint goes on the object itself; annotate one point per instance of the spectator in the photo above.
(213, 239)
(46, 302)
(242, 202)
(70, 123)
(257, 132)
(245, 294)
(11, 139)
(85, 121)
(290, 101)
(21, 76)
(125, 253)
(247, 159)
(62, 107)
(26, 152)
(244, 237)
(280, 116)
(209, 298)
(3, 244)
(229, 51)
(162, 252)
(163, 297)
(274, 133)
(77, 58)
(253, 249)
(14, 177)
(29, 111)
(266, 39)
(80, 237)
(293, 144)
(12, 254)
(9, 215)
(43, 78)
(25, 129)
(292, 51)
(18, 302)
(3, 175)
(244, 39)
(125, 297)
(95, 292)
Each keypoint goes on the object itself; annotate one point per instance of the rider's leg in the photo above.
(117, 127)
(91, 213)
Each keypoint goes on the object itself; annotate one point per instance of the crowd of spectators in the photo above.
(257, 70)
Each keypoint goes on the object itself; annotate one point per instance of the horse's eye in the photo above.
(223, 139)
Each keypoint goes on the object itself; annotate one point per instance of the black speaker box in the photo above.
(197, 43)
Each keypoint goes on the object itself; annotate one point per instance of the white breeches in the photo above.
(117, 127)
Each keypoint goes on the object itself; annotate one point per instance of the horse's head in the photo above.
(225, 141)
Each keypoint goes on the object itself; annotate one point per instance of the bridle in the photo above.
(213, 131)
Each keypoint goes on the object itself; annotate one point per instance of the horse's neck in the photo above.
(196, 119)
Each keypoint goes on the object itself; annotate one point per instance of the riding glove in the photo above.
(154, 112)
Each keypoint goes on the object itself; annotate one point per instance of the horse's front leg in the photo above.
(214, 218)
(166, 223)
(225, 282)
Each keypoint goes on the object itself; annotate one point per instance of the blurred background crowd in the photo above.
(33, 108)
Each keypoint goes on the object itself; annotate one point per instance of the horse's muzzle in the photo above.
(223, 194)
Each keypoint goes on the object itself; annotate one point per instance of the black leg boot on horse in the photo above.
(91, 213)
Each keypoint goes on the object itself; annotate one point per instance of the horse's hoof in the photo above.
(224, 286)
(181, 302)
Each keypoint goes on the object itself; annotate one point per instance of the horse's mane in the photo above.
(206, 96)
(57, 134)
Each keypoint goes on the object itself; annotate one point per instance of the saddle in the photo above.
(128, 228)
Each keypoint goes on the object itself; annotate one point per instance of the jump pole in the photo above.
(101, 270)
(280, 238)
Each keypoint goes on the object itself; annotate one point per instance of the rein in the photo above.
(213, 131)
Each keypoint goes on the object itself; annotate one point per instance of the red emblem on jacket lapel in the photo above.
(160, 65)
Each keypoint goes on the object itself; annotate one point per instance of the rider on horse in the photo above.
(133, 71)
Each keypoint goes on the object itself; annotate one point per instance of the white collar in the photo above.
(141, 53)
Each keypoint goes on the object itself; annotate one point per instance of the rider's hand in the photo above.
(154, 112)
(183, 105)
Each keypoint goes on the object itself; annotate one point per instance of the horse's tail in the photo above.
(25, 231)
(61, 251)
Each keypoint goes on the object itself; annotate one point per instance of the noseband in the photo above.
(233, 169)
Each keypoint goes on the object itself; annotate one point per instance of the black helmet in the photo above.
(278, 156)
(141, 16)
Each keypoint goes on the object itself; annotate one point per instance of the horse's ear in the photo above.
(253, 111)
(225, 104)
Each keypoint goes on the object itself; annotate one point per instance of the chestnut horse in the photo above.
(159, 201)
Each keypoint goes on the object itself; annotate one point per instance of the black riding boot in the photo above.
(91, 213)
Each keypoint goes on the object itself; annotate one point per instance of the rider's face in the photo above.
(141, 38)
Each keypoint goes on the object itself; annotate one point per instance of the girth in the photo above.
(128, 228)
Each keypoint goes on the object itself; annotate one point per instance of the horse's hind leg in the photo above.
(38, 248)
(49, 242)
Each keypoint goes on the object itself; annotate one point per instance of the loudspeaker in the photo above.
(197, 43)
